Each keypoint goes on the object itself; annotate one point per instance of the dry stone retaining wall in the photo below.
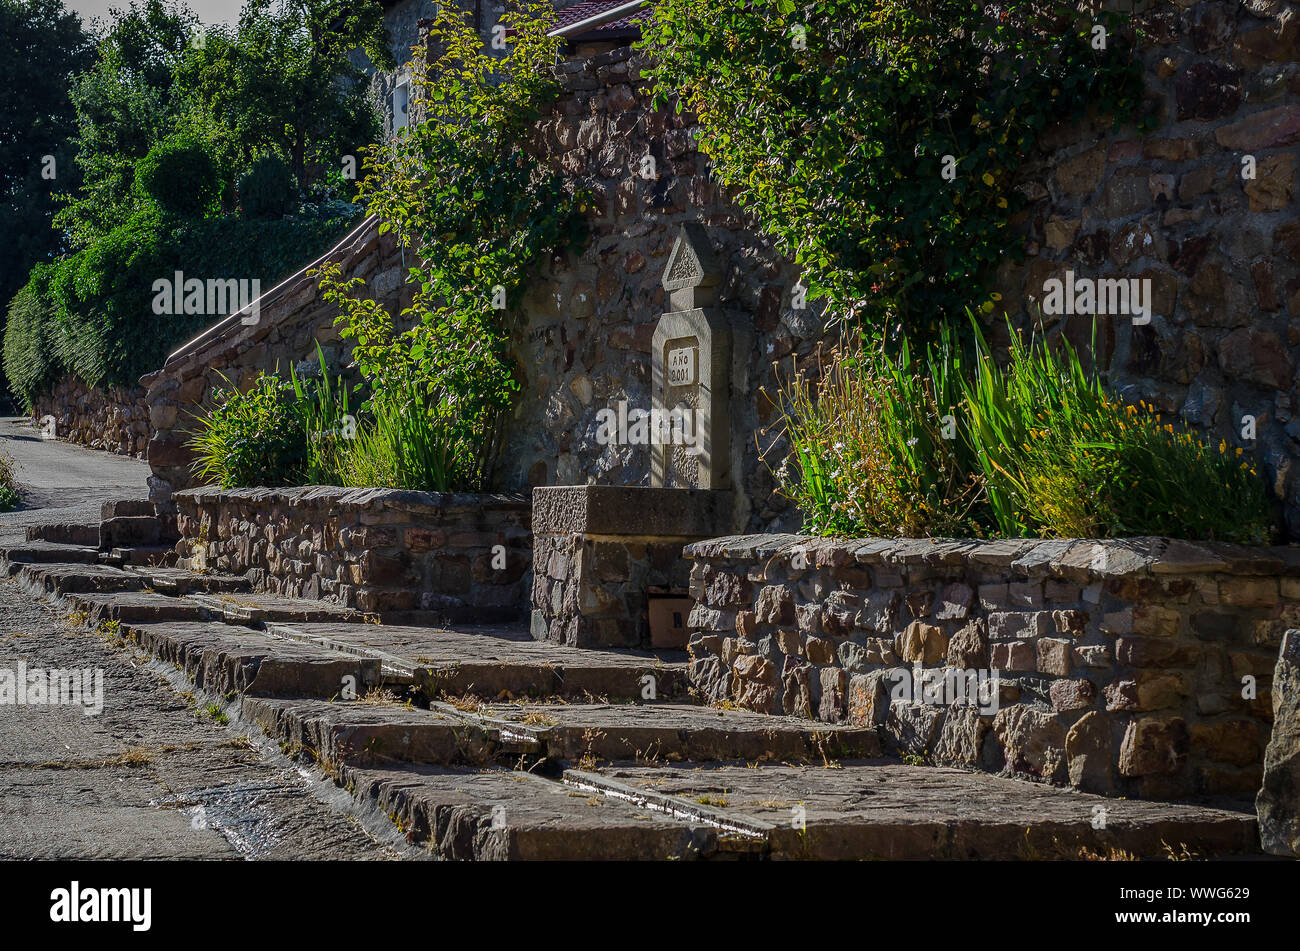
(459, 556)
(1218, 236)
(1121, 663)
(115, 419)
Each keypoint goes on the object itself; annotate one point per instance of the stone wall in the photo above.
(583, 339)
(1121, 664)
(600, 553)
(1222, 251)
(1223, 256)
(292, 320)
(457, 556)
(115, 419)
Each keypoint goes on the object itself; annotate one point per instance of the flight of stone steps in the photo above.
(481, 743)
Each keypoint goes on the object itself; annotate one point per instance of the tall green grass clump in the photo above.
(278, 432)
(1060, 456)
(959, 443)
(868, 449)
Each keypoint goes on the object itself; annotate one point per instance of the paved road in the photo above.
(59, 475)
(153, 775)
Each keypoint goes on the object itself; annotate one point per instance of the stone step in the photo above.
(228, 659)
(144, 556)
(178, 581)
(126, 531)
(257, 608)
(65, 533)
(887, 810)
(361, 733)
(502, 661)
(500, 815)
(126, 508)
(372, 733)
(137, 607)
(60, 580)
(44, 553)
(668, 732)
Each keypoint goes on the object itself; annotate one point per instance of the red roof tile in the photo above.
(571, 16)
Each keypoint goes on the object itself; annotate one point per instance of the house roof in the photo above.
(601, 19)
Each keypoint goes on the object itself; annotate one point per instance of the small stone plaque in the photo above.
(681, 366)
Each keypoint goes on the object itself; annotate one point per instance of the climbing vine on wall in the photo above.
(474, 211)
(878, 140)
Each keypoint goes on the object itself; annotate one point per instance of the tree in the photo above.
(44, 47)
(285, 82)
(124, 107)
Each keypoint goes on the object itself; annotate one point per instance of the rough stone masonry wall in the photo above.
(596, 588)
(1223, 255)
(115, 419)
(292, 321)
(1222, 251)
(583, 338)
(376, 550)
(1121, 663)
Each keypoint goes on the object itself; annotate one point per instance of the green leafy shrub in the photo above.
(323, 407)
(9, 494)
(180, 176)
(268, 189)
(29, 362)
(474, 210)
(832, 122)
(1037, 448)
(91, 314)
(253, 438)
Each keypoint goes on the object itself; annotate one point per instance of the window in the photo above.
(401, 105)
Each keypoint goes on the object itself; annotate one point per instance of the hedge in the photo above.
(91, 315)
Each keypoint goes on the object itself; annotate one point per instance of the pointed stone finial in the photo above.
(691, 276)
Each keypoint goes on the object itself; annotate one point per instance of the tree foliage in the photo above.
(285, 82)
(475, 211)
(281, 83)
(44, 47)
(124, 107)
(830, 122)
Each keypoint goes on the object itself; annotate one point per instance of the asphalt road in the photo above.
(59, 475)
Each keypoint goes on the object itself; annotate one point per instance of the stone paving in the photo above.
(155, 775)
(477, 742)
